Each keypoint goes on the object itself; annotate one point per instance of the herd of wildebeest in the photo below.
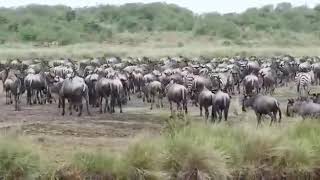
(204, 82)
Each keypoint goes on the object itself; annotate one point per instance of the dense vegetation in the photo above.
(38, 23)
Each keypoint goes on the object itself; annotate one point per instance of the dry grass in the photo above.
(158, 45)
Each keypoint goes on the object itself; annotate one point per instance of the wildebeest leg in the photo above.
(170, 103)
(275, 117)
(37, 97)
(41, 97)
(28, 97)
(161, 101)
(80, 109)
(59, 103)
(34, 97)
(226, 111)
(7, 97)
(158, 101)
(200, 110)
(86, 98)
(63, 103)
(100, 101)
(10, 97)
(220, 115)
(144, 97)
(70, 108)
(213, 114)
(207, 112)
(16, 102)
(128, 92)
(106, 105)
(272, 118)
(152, 101)
(179, 108)
(185, 107)
(119, 103)
(258, 119)
(112, 104)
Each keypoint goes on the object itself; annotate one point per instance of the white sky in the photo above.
(198, 6)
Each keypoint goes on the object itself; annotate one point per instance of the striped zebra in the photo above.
(220, 81)
(303, 81)
(188, 81)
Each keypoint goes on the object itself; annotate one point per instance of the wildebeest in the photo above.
(74, 89)
(91, 81)
(36, 85)
(103, 90)
(117, 94)
(268, 77)
(177, 93)
(250, 84)
(303, 108)
(205, 100)
(221, 103)
(13, 85)
(154, 89)
(262, 105)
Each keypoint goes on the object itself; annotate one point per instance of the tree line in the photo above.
(40, 23)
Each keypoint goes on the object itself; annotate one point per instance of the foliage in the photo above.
(66, 25)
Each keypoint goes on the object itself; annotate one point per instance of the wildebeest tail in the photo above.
(183, 94)
(279, 109)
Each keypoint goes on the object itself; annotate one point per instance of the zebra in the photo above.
(303, 81)
(188, 81)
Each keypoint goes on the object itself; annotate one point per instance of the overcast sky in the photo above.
(198, 6)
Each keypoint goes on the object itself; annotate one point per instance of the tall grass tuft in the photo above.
(98, 163)
(18, 160)
(140, 161)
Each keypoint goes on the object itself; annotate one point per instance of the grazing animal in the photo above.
(268, 80)
(177, 93)
(13, 85)
(54, 87)
(205, 100)
(263, 105)
(103, 90)
(221, 103)
(303, 108)
(154, 89)
(303, 82)
(91, 81)
(251, 83)
(36, 84)
(117, 94)
(198, 85)
(74, 89)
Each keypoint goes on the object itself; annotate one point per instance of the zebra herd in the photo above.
(204, 82)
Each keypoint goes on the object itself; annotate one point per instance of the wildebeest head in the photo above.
(290, 107)
(315, 97)
(247, 101)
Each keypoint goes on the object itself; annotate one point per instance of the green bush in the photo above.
(45, 23)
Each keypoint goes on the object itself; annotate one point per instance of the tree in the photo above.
(70, 15)
(285, 6)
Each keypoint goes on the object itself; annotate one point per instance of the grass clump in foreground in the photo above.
(199, 151)
(18, 160)
(190, 151)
